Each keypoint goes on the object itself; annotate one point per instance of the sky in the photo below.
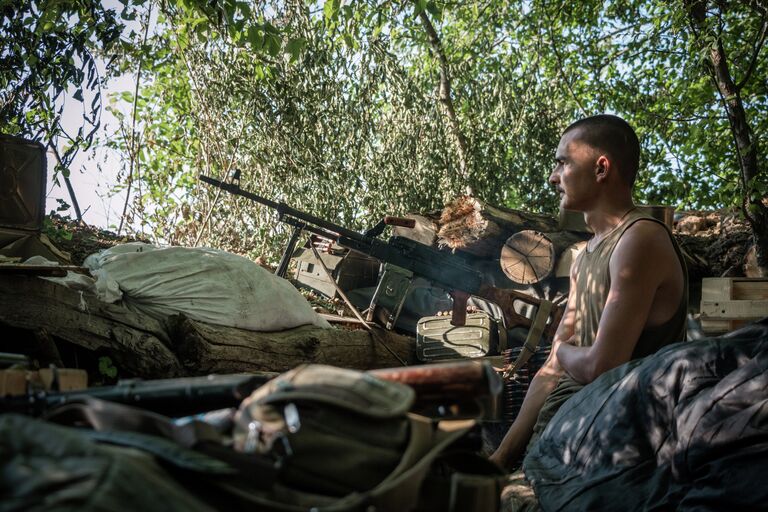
(93, 173)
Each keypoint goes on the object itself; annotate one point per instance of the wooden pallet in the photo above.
(728, 303)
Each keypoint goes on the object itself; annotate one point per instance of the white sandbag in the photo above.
(211, 286)
(73, 280)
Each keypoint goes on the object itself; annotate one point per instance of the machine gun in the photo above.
(403, 259)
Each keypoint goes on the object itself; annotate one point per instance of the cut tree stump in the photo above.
(146, 348)
(530, 256)
(469, 224)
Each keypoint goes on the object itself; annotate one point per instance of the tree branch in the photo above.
(560, 70)
(753, 208)
(133, 151)
(67, 182)
(445, 93)
(753, 63)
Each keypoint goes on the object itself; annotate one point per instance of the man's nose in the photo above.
(554, 177)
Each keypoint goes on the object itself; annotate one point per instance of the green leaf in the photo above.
(434, 10)
(294, 47)
(106, 368)
(255, 38)
(331, 9)
(273, 44)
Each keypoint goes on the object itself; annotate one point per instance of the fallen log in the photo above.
(135, 342)
(204, 348)
(143, 347)
(469, 224)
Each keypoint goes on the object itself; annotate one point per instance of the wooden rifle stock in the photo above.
(462, 388)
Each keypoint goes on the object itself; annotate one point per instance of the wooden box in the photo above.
(727, 303)
(14, 382)
(351, 271)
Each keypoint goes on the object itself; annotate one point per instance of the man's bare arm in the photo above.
(541, 386)
(638, 266)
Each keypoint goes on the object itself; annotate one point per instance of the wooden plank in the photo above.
(721, 326)
(750, 289)
(734, 309)
(716, 288)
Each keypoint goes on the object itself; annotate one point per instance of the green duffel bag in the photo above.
(343, 440)
(332, 431)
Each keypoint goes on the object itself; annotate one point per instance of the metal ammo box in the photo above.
(22, 184)
(438, 340)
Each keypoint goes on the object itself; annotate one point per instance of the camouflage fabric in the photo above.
(54, 468)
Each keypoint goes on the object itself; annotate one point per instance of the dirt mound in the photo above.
(81, 240)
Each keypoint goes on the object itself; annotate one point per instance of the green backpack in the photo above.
(343, 440)
(317, 438)
(332, 431)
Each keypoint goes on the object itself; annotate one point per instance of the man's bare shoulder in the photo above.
(647, 240)
(646, 256)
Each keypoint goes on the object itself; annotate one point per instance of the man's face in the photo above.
(574, 172)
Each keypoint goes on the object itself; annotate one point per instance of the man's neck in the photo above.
(602, 220)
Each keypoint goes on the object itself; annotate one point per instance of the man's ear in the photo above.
(602, 168)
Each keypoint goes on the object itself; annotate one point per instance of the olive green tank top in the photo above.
(593, 281)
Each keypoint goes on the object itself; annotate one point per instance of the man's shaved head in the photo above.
(614, 136)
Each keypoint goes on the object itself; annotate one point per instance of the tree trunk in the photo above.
(530, 256)
(755, 211)
(136, 343)
(445, 95)
(203, 348)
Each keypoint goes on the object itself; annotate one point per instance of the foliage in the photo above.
(335, 121)
(334, 107)
(107, 368)
(55, 232)
(46, 56)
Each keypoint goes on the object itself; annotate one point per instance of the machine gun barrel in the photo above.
(329, 229)
(171, 397)
(468, 386)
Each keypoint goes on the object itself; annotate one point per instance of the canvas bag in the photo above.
(343, 440)
(332, 430)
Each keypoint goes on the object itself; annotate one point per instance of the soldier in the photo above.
(628, 292)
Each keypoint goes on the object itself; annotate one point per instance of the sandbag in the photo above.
(208, 285)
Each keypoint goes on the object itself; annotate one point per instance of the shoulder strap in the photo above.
(399, 492)
(532, 340)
